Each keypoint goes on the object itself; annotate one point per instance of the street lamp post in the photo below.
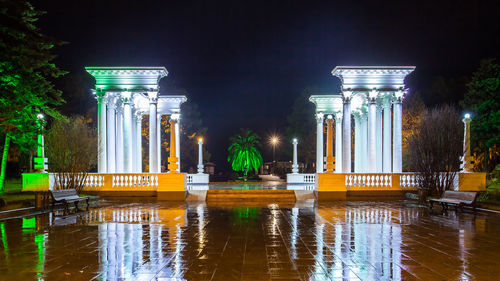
(466, 158)
(274, 142)
(200, 156)
(40, 160)
(295, 165)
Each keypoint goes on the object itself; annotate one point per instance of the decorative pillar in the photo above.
(110, 133)
(364, 142)
(119, 136)
(357, 142)
(329, 144)
(387, 139)
(338, 142)
(295, 165)
(178, 144)
(319, 143)
(153, 140)
(134, 138)
(397, 146)
(346, 131)
(101, 132)
(158, 140)
(172, 160)
(372, 130)
(378, 140)
(200, 155)
(127, 132)
(138, 141)
(466, 158)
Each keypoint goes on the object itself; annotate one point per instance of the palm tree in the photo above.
(243, 153)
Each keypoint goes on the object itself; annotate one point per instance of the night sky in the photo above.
(244, 62)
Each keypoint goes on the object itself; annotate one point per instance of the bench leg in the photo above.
(431, 204)
(87, 204)
(76, 206)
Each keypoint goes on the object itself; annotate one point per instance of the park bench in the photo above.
(456, 198)
(67, 196)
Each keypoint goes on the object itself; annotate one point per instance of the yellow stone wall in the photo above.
(472, 181)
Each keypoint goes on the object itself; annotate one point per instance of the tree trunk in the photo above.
(4, 161)
(486, 156)
(30, 162)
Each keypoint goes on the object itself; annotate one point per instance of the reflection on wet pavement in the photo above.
(125, 240)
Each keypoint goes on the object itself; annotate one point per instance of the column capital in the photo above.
(338, 117)
(175, 116)
(398, 96)
(126, 97)
(153, 97)
(100, 95)
(111, 101)
(372, 96)
(320, 117)
(347, 95)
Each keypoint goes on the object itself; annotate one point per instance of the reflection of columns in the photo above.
(127, 133)
(346, 139)
(119, 136)
(397, 148)
(172, 160)
(338, 142)
(319, 143)
(372, 145)
(329, 144)
(378, 140)
(295, 165)
(153, 141)
(101, 132)
(387, 150)
(158, 140)
(138, 141)
(364, 142)
(466, 158)
(110, 123)
(200, 155)
(178, 145)
(357, 143)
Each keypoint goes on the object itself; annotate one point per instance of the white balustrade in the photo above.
(409, 180)
(374, 181)
(300, 178)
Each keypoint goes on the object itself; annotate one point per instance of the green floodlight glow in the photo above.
(29, 223)
(4, 241)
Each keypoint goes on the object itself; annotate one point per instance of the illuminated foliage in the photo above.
(26, 72)
(243, 153)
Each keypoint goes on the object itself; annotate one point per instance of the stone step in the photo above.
(251, 195)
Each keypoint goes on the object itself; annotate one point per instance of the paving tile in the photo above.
(357, 240)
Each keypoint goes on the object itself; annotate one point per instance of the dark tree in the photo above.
(483, 100)
(436, 147)
(26, 75)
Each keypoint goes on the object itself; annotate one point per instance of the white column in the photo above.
(153, 140)
(295, 165)
(119, 137)
(372, 145)
(387, 138)
(357, 143)
(101, 132)
(200, 156)
(378, 140)
(338, 142)
(346, 132)
(138, 141)
(178, 145)
(127, 133)
(397, 147)
(134, 139)
(319, 143)
(364, 142)
(158, 140)
(110, 124)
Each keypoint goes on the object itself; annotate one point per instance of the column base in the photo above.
(172, 164)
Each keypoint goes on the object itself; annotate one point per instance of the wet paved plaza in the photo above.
(149, 240)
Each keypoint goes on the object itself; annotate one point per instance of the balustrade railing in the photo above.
(368, 181)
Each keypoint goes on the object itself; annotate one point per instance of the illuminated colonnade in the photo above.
(124, 95)
(373, 97)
